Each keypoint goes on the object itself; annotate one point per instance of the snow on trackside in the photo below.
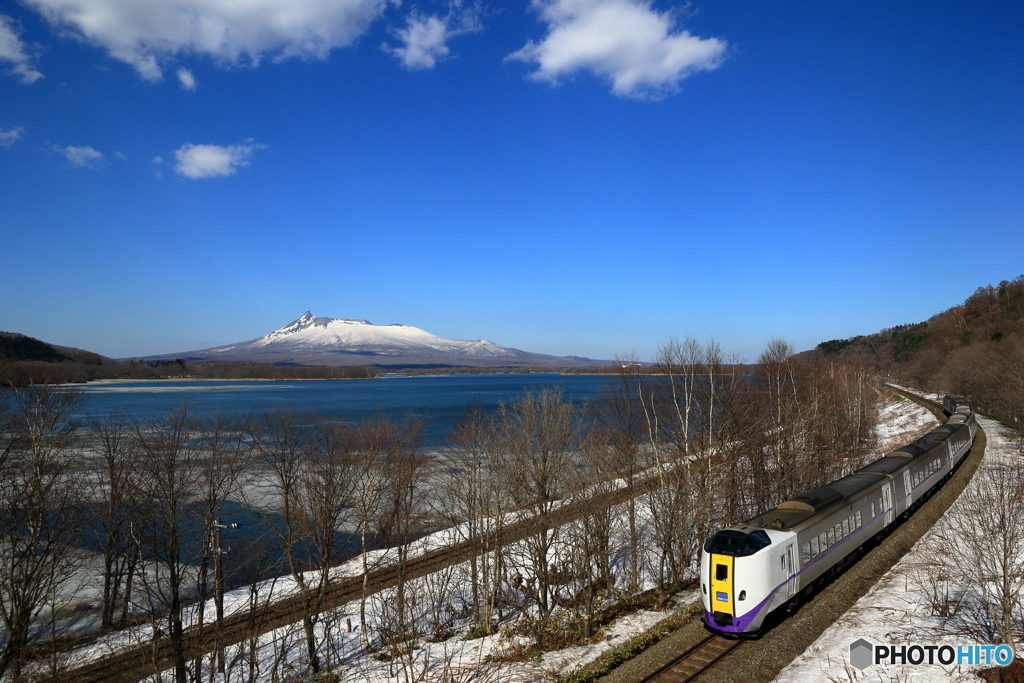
(453, 658)
(901, 422)
(896, 611)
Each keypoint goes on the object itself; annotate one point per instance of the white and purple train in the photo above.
(751, 569)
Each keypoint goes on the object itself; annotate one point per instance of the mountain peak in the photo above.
(309, 340)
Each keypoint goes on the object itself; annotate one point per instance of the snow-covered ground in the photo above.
(897, 610)
(453, 659)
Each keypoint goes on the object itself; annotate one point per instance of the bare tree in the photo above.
(40, 512)
(400, 520)
(226, 453)
(469, 504)
(170, 532)
(325, 493)
(539, 439)
(982, 551)
(376, 439)
(115, 464)
(286, 440)
(621, 427)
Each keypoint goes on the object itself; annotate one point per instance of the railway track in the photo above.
(694, 661)
(137, 662)
(762, 659)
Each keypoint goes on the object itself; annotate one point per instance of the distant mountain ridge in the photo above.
(19, 347)
(312, 340)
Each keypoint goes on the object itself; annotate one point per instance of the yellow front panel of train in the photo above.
(721, 584)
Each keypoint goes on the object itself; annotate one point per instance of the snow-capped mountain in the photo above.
(310, 340)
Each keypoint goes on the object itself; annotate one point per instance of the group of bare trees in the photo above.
(973, 572)
(135, 507)
(40, 516)
(704, 442)
(700, 439)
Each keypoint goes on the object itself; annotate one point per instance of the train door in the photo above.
(907, 489)
(887, 502)
(791, 570)
(722, 583)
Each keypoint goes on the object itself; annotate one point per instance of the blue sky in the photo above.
(585, 177)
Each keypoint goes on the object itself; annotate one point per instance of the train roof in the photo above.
(936, 435)
(809, 504)
(916, 449)
(815, 500)
(944, 431)
(886, 465)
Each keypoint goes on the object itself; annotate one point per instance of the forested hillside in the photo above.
(975, 349)
(25, 361)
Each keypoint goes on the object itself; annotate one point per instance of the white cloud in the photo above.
(146, 33)
(211, 161)
(625, 41)
(8, 136)
(187, 79)
(83, 157)
(12, 52)
(158, 160)
(425, 38)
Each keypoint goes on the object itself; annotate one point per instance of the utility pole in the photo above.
(218, 581)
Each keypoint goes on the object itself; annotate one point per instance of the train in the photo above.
(768, 563)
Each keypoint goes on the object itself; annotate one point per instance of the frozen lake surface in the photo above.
(438, 399)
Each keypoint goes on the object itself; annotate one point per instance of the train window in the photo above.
(805, 552)
(737, 543)
(872, 509)
(859, 522)
(823, 537)
(721, 572)
(814, 547)
(782, 558)
(846, 527)
(831, 537)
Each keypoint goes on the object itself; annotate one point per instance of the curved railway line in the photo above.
(692, 653)
(136, 662)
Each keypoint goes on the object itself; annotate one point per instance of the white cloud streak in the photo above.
(147, 33)
(187, 79)
(82, 157)
(8, 136)
(212, 161)
(425, 38)
(13, 54)
(626, 41)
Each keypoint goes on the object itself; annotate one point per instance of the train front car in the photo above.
(745, 571)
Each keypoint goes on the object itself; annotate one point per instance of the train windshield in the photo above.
(737, 543)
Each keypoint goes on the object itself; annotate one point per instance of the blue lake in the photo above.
(438, 399)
